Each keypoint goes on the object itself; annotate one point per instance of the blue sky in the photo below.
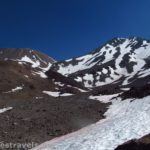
(69, 28)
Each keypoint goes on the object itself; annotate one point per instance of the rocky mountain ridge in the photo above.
(37, 59)
(119, 59)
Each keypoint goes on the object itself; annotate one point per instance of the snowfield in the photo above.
(125, 120)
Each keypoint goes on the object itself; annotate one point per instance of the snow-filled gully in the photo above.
(125, 120)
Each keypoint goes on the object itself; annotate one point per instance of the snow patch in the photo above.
(66, 94)
(125, 89)
(78, 79)
(103, 98)
(105, 71)
(27, 59)
(5, 109)
(18, 88)
(47, 68)
(50, 93)
(56, 94)
(26, 76)
(59, 84)
(38, 97)
(41, 74)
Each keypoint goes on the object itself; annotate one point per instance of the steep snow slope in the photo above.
(125, 120)
(118, 59)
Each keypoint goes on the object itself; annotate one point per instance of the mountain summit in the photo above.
(120, 59)
(37, 59)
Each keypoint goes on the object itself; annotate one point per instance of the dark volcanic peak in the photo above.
(37, 59)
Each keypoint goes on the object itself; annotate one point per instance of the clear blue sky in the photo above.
(68, 28)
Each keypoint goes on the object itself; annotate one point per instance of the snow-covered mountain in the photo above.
(99, 101)
(116, 74)
(121, 59)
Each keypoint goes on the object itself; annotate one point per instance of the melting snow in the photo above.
(59, 84)
(47, 68)
(105, 71)
(78, 79)
(41, 74)
(18, 88)
(103, 98)
(26, 76)
(38, 97)
(50, 93)
(88, 80)
(82, 65)
(56, 94)
(125, 120)
(5, 109)
(88, 77)
(81, 90)
(27, 59)
(143, 73)
(66, 94)
(125, 89)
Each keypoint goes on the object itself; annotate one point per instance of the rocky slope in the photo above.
(41, 98)
(140, 144)
(35, 105)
